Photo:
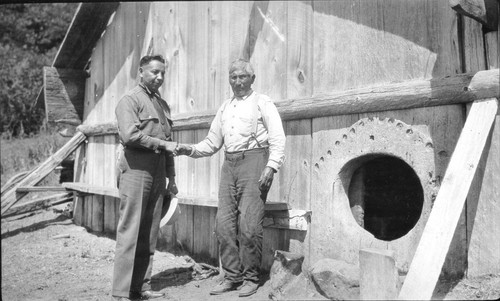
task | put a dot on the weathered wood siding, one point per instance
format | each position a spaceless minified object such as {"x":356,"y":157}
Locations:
{"x":298,"y":49}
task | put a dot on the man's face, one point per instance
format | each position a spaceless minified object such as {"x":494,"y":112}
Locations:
{"x":152,"y":75}
{"x":241,"y":82}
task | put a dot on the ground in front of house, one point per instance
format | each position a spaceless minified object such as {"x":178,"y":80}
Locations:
{"x":47,"y":257}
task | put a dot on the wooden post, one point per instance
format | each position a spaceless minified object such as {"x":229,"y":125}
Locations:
{"x":379,"y":277}
{"x":10,"y":197}
{"x":438,"y":233}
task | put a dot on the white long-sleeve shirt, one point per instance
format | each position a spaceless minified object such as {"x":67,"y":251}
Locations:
{"x":233,"y":124}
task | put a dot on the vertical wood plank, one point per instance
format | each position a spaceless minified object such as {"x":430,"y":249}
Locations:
{"x":79,"y":176}
{"x":266,"y":47}
{"x":183,"y":58}
{"x":97,"y":213}
{"x":88,"y":211}
{"x":214,"y":243}
{"x":109,"y":214}
{"x":185,"y":228}
{"x":98,"y":175}
{"x":202,"y":232}
{"x":492,"y":54}
{"x":202,"y":166}
{"x":473,"y":45}
{"x":299,"y":59}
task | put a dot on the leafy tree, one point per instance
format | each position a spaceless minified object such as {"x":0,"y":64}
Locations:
{"x":30,"y":35}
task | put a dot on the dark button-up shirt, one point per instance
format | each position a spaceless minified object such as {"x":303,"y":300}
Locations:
{"x":143,"y":121}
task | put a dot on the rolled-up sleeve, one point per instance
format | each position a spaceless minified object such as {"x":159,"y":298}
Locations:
{"x":127,"y":115}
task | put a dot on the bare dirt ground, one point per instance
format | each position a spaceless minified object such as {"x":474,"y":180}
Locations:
{"x":78,"y":266}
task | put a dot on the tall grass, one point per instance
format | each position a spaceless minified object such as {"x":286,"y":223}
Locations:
{"x":25,"y":154}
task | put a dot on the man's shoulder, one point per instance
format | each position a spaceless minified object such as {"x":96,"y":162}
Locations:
{"x":134,"y":91}
{"x":224,"y":104}
{"x":263,"y":98}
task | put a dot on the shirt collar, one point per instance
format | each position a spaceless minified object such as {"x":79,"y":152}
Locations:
{"x":242,"y":98}
{"x":149,"y":92}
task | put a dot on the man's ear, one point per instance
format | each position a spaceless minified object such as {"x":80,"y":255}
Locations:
{"x":140,"y":71}
{"x":253,"y":78}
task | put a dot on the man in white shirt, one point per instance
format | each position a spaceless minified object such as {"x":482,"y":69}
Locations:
{"x":249,"y":127}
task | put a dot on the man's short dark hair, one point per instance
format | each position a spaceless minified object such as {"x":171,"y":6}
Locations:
{"x":148,"y":58}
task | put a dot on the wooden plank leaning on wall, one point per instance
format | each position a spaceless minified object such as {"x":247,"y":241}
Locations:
{"x":433,"y":247}
{"x":10,"y":197}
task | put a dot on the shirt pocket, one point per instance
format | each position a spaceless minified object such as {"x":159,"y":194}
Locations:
{"x":149,"y":123}
{"x":245,"y":125}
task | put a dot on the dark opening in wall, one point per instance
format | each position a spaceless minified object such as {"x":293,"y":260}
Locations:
{"x":385,"y":196}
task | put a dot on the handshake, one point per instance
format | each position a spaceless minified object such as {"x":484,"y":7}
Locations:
{"x":176,"y":149}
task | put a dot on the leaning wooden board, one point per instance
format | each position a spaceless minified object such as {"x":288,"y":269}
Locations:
{"x":435,"y":241}
{"x":10,"y":197}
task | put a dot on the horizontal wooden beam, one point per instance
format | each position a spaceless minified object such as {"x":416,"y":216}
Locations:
{"x":109,"y":128}
{"x":277,"y":215}
{"x":406,"y":95}
{"x":9,"y":198}
{"x":92,"y":189}
{"x":463,"y":88}
{"x":40,"y":188}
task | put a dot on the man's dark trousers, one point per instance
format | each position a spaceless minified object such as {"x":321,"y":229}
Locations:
{"x":240,"y":214}
{"x":142,"y":186}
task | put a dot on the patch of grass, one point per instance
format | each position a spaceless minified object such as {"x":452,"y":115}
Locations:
{"x":25,"y":154}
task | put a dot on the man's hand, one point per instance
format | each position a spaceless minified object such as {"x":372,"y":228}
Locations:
{"x":266,"y":179}
{"x":169,"y":146}
{"x":183,"y":149}
{"x":171,"y":186}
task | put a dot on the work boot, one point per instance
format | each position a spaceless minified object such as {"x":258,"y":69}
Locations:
{"x":248,"y":288}
{"x":225,"y":286}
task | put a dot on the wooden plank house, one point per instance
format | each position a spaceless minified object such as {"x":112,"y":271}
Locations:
{"x":373,"y":97}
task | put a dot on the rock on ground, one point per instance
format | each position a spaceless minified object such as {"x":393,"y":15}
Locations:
{"x":335,"y":279}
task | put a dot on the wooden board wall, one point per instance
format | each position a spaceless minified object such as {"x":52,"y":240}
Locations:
{"x":298,"y":49}
{"x":482,"y":202}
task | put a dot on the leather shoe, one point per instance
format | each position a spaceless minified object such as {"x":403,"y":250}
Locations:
{"x":146,"y":295}
{"x":248,"y":288}
{"x":116,"y":298}
{"x":224,"y":286}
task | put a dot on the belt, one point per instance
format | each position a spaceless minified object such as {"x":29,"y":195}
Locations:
{"x":247,"y":150}
{"x":145,"y":150}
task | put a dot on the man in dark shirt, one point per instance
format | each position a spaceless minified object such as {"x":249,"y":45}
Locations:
{"x":144,"y":162}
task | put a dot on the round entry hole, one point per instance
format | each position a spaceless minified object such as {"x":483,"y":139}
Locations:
{"x":385,"y":196}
